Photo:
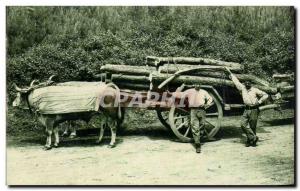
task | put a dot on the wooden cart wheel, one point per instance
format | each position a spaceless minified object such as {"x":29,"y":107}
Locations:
{"x":163,"y":117}
{"x":179,"y":120}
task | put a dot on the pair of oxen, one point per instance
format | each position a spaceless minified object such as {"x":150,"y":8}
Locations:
{"x":110,"y":114}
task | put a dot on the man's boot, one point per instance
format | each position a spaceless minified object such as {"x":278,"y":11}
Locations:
{"x":198,"y":147}
{"x":248,"y":143}
{"x":254,"y":142}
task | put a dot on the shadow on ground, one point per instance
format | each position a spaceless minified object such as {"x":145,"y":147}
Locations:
{"x":154,"y":131}
{"x":273,"y":122}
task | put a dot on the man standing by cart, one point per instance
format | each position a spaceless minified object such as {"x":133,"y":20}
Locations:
{"x":252,"y":98}
{"x":198,"y":101}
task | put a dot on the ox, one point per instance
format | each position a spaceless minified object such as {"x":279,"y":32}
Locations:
{"x":109,"y":111}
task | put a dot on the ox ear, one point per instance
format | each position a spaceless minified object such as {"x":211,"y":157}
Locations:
{"x":17,"y":100}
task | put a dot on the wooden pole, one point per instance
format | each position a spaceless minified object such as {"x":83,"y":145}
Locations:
{"x":159,"y":77}
{"x":286,"y":89}
{"x":128,"y":69}
{"x":171,"y":68}
{"x":133,"y":86}
{"x":222,"y":75}
{"x":130,"y":78}
{"x":270,"y":106}
{"x":190,"y":60}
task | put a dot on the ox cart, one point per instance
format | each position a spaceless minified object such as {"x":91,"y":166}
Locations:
{"x":163,"y":75}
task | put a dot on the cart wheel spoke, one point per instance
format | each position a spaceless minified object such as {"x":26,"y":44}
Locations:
{"x":212,"y":114}
{"x":205,"y":131}
{"x":180,"y":117}
{"x":209,"y":123}
{"x":163,"y":117}
{"x":187,"y":131}
{"x":181,"y":125}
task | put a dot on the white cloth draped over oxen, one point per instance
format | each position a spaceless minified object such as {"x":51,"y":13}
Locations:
{"x":69,"y":97}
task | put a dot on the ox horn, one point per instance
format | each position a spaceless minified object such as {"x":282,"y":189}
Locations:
{"x":17,"y":88}
{"x":32,"y":83}
{"x":50,"y":78}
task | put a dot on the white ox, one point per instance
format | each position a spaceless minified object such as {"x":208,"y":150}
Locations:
{"x":109,"y":111}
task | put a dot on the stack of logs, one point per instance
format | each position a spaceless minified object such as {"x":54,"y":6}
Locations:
{"x":158,"y":69}
{"x":285,"y":85}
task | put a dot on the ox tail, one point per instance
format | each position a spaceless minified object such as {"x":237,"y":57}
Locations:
{"x":112,"y":85}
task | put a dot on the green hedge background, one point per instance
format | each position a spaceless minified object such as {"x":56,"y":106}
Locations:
{"x":73,"y":42}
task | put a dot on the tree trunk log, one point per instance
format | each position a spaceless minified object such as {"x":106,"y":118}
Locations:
{"x":133,"y":86}
{"x":283,"y":76}
{"x":190,"y":60}
{"x":286,"y":89}
{"x":288,"y":95}
{"x":128,"y":69}
{"x":222,"y":75}
{"x":130,"y":78}
{"x":171,"y":68}
{"x":158,"y":78}
{"x":270,"y":106}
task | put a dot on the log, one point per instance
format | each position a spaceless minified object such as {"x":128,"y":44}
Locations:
{"x":180,"y":72}
{"x":282,"y":84}
{"x":283,"y":76}
{"x":100,"y":77}
{"x":222,"y":75}
{"x":133,"y":86}
{"x":288,"y":95}
{"x":128,"y":69}
{"x":270,"y":106}
{"x":159,"y":77}
{"x":190,"y":60}
{"x":170,"y":68}
{"x":130,"y":78}
{"x":286,"y":89}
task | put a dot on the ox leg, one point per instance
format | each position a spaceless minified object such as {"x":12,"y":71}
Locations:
{"x":73,"y":130}
{"x":65,"y":133}
{"x":48,"y":140}
{"x":73,"y":133}
{"x":56,"y":137}
{"x":48,"y":124}
{"x":101,"y":133}
{"x":49,"y":129}
{"x":113,"y":129}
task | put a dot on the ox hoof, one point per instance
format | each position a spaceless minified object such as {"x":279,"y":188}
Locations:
{"x":64,"y":135}
{"x":111,"y":145}
{"x":55,"y":146}
{"x":72,"y":136}
{"x":97,"y":142}
{"x":46,"y":148}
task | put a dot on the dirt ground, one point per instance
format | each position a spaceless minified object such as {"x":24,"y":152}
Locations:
{"x":147,"y":154}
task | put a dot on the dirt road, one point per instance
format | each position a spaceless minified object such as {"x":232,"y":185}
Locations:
{"x":152,"y":157}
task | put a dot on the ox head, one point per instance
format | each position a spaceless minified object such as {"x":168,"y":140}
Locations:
{"x":23,"y":93}
{"x":22,"y":96}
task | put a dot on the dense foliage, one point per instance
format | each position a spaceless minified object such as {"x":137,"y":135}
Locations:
{"x":73,"y":42}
